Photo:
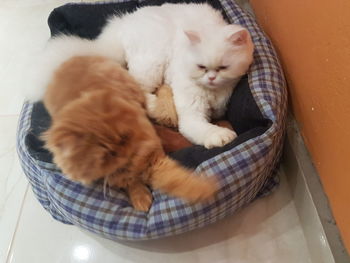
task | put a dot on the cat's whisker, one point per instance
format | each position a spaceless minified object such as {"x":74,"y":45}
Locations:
{"x":105,"y":184}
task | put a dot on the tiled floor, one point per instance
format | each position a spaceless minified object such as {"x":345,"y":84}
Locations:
{"x":268,"y":231}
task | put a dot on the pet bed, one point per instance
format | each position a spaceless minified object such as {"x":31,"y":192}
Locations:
{"x":244,"y":168}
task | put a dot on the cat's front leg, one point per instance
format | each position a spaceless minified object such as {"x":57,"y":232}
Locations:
{"x":194,"y":115}
{"x":140,"y":196}
{"x":218,"y":137}
{"x":194,"y":121}
{"x":196,"y":127}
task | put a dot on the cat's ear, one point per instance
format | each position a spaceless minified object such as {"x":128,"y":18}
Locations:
{"x":193,"y":37}
{"x":239,"y":38}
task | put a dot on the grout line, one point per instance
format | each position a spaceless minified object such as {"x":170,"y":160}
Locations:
{"x":311,"y":201}
{"x":297,"y":210}
{"x":8,"y":258}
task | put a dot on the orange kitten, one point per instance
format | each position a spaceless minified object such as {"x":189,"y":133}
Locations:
{"x":163,"y":110}
{"x":100,"y":130}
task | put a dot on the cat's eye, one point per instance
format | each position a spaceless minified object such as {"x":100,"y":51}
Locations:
{"x":113,"y":153}
{"x":221,"y":68}
{"x":201,"y":67}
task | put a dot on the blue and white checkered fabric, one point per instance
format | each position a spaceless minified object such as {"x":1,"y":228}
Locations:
{"x":245,"y":171}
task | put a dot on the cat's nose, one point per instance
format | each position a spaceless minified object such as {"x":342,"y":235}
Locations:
{"x":212,"y":78}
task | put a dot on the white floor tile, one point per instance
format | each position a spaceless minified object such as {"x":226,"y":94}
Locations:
{"x":24,"y":25}
{"x":266,"y":231}
{"x":12,"y":184}
{"x":24,"y":30}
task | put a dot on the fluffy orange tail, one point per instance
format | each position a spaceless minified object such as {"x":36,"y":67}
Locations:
{"x":173,"y":179}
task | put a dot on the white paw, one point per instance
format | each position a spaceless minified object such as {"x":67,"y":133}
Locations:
{"x":218,"y":137}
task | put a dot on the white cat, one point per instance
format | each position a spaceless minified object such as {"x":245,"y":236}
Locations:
{"x":191,"y":48}
{"x":188,"y":46}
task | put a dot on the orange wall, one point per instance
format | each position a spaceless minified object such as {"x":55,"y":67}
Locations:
{"x":313,"y":42}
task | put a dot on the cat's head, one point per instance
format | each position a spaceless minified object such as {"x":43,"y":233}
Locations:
{"x":219,"y":56}
{"x":98,"y":136}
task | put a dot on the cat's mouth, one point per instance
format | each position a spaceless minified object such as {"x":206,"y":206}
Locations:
{"x":211,"y":85}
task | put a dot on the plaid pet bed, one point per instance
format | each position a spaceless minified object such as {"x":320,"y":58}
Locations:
{"x":244,"y":168}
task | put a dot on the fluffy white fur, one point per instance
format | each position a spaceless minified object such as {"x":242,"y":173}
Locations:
{"x":58,"y":50}
{"x":188,"y":46}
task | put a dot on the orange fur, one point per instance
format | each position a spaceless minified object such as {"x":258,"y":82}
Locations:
{"x":100,"y":130}
{"x":164,"y":111}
